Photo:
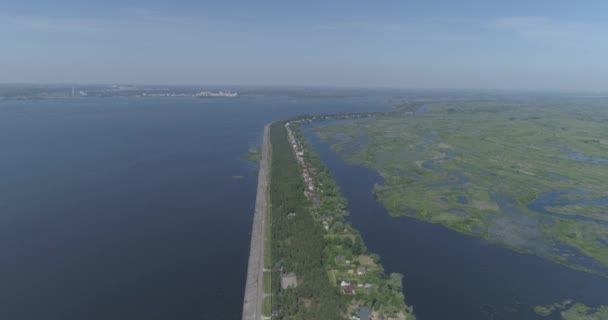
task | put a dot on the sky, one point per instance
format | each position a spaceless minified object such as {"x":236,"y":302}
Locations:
{"x":536,"y":45}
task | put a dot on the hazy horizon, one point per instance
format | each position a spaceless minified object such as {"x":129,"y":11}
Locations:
{"x":545,"y":46}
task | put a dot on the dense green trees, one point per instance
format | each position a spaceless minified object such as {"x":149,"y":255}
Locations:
{"x":297,"y":243}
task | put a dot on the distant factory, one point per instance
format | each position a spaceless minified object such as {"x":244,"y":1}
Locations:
{"x":216,"y":94}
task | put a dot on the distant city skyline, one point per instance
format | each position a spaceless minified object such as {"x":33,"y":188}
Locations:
{"x":533,"y":45}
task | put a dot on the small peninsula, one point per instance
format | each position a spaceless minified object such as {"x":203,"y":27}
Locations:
{"x":319,"y":265}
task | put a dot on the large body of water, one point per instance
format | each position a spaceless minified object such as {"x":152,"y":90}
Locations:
{"x":125,"y":208}
{"x":448,"y":275}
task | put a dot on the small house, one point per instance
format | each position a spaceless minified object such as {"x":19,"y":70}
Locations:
{"x":361,"y":271}
{"x":289,"y":280}
{"x":350,"y":290}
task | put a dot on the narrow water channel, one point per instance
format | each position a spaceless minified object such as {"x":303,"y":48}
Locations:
{"x":448,"y":275}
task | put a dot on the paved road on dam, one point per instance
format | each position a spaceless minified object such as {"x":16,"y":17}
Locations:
{"x":254,"y":288}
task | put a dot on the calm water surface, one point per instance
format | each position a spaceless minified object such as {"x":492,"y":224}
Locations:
{"x":125,"y":208}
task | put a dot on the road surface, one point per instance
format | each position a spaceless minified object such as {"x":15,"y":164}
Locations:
{"x":254,"y":288}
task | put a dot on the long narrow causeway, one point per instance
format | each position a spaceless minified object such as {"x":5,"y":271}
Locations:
{"x":254,"y":288}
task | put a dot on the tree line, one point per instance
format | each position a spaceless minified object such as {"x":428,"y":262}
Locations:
{"x":297,"y":242}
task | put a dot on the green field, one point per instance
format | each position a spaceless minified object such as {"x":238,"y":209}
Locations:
{"x":529,"y":173}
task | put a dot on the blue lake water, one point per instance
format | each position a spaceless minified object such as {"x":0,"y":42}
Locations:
{"x":448,"y":275}
{"x":553,"y":199}
{"x":125,"y":208}
{"x":581,"y":157}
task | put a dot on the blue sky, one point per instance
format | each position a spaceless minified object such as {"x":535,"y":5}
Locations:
{"x":546,"y":45}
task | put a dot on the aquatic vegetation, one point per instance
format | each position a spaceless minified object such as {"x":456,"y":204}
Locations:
{"x":547,"y":310}
{"x":569,"y":311}
{"x":583,"y":312}
{"x":529,"y":175}
{"x":254,"y":155}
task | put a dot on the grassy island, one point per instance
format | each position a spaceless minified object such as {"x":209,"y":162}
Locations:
{"x":568,"y":310}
